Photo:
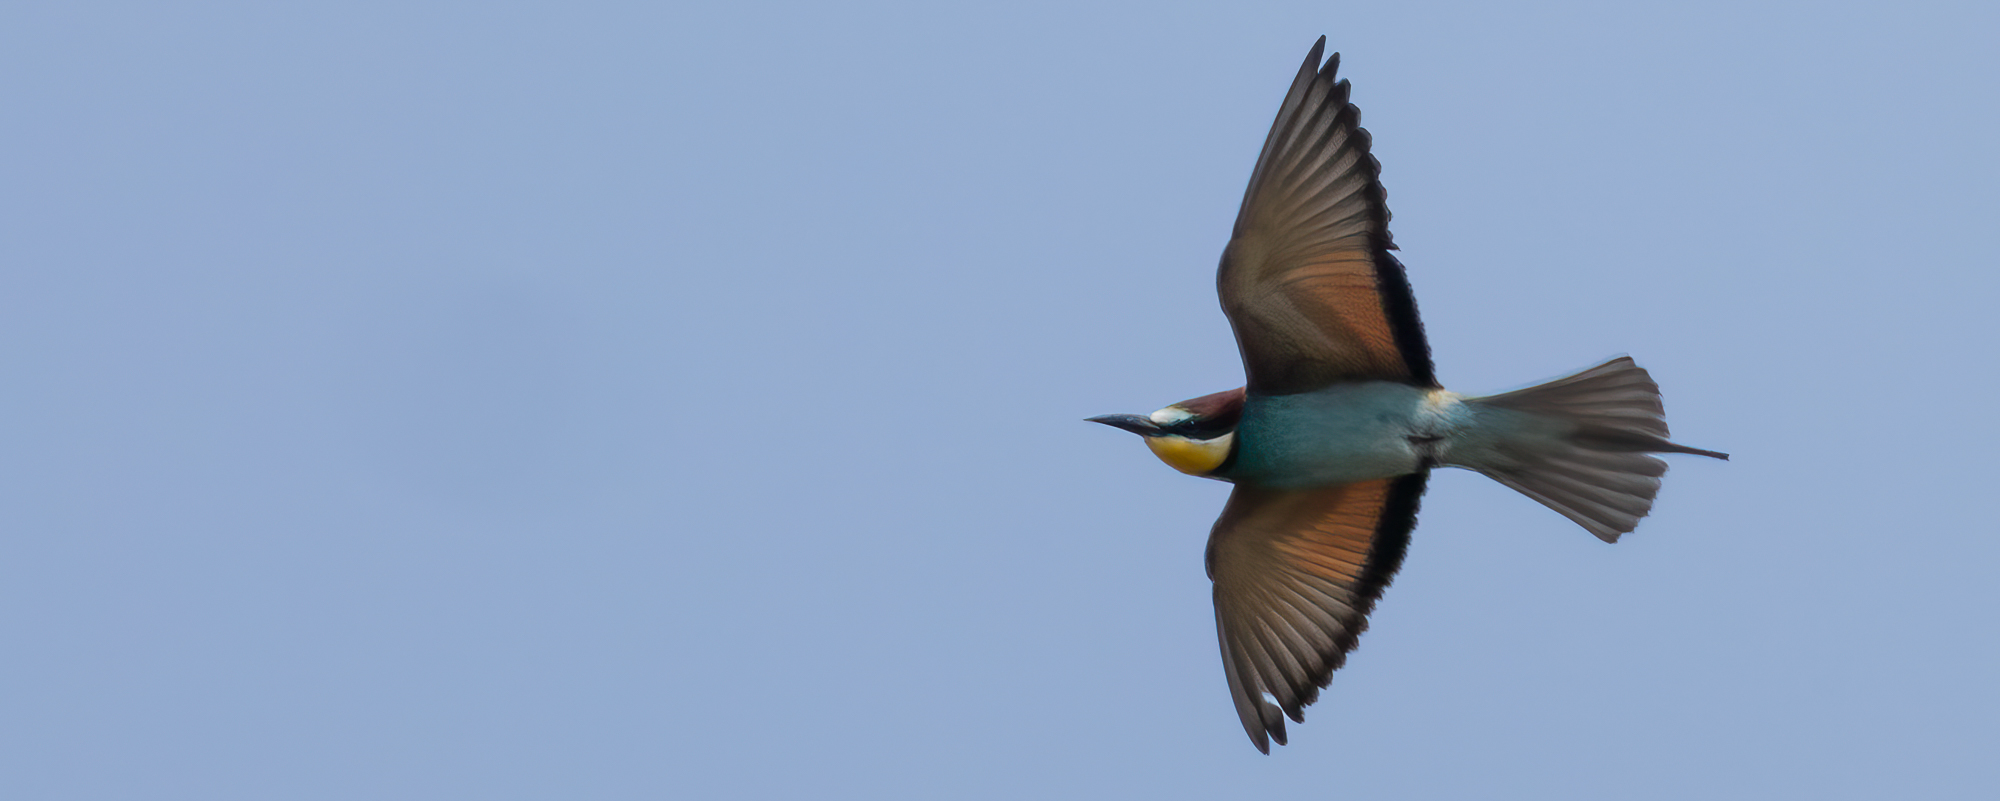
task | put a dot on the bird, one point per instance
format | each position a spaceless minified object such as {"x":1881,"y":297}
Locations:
{"x":1340,"y":421}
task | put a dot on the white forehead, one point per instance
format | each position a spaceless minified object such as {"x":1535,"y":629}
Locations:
{"x":1170,"y":416}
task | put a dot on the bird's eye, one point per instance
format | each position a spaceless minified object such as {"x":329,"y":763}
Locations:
{"x":1199,"y":428}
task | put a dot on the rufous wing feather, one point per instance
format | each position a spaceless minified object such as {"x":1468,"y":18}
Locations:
{"x":1296,"y":574}
{"x":1307,"y":280}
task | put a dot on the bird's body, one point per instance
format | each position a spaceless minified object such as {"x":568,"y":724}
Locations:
{"x":1342,"y":433}
{"x":1332,"y":439}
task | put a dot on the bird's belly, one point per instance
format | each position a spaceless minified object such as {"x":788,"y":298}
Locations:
{"x":1340,"y":434}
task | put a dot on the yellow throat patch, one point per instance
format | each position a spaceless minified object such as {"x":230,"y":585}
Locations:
{"x":1195,"y":457}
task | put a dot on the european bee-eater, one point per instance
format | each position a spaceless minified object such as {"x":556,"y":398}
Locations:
{"x":1335,"y":432}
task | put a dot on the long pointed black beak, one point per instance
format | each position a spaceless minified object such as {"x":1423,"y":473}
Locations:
{"x":1137,"y":424}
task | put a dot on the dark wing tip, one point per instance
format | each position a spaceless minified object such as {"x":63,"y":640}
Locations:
{"x":1270,"y":727}
{"x":1310,"y":68}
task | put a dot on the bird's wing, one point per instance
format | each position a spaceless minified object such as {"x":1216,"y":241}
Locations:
{"x":1296,"y":573}
{"x":1307,"y":279}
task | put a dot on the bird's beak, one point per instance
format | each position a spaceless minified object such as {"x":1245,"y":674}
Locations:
{"x":1137,"y":424}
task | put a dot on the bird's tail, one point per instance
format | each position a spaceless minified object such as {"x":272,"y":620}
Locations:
{"x":1581,"y":445}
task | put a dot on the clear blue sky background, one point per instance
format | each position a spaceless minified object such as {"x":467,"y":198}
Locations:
{"x":644,"y":401}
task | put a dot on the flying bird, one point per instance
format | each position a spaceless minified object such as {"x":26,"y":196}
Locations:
{"x":1341,"y":419}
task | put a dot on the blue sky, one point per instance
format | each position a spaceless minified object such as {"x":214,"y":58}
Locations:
{"x":641,"y":401}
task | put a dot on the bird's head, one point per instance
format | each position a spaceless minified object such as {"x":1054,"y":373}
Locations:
{"x":1195,"y":436}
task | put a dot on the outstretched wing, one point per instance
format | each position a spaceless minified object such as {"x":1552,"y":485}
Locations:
{"x":1307,"y":279}
{"x":1296,"y":574}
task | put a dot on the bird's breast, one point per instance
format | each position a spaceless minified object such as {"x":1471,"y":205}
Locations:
{"x":1340,"y":434}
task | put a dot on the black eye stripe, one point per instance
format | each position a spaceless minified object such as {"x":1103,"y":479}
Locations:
{"x":1201,"y":428}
